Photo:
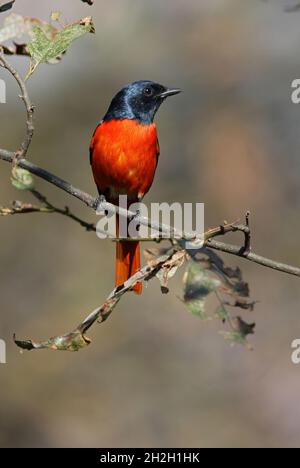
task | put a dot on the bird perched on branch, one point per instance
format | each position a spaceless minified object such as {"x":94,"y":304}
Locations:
{"x":124,"y":152}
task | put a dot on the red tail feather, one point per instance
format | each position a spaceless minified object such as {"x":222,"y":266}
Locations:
{"x":127,"y":261}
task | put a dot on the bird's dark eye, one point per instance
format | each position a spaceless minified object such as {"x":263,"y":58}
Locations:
{"x":148,"y":91}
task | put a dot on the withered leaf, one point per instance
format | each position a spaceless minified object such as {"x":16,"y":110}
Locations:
{"x":16,"y":49}
{"x":232,"y":283}
{"x":231,"y":291}
{"x":198,"y":284}
{"x":151,"y":255}
{"x":239,"y":333}
{"x":71,"y":342}
{"x":222,"y":313}
{"x":15,"y":26}
{"x":243,"y":327}
{"x":169,"y":269}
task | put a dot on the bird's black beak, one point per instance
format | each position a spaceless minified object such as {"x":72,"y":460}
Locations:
{"x":169,"y":92}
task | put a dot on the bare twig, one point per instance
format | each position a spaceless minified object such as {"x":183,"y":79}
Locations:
{"x":266,"y":262}
{"x":247,"y":233}
{"x":63,"y":211}
{"x":21,"y":153}
{"x":18,"y":207}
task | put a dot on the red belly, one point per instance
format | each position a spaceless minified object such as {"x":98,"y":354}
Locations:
{"x":124,"y":157}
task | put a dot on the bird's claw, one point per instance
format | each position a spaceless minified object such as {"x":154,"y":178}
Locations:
{"x":100,"y":201}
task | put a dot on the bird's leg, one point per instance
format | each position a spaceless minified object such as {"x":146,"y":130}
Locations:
{"x":138,"y":212}
{"x":134,"y":218}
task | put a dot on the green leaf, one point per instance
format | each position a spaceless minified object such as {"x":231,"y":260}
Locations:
{"x":198,"y":284}
{"x":22,"y":179}
{"x":44,"y":49}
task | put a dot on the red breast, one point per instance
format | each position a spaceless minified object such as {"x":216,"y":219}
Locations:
{"x":124,"y":156}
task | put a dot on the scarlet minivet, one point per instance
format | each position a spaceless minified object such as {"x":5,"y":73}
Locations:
{"x":124,"y":152}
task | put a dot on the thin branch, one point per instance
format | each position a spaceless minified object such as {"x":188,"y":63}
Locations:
{"x":21,"y":153}
{"x":63,"y":211}
{"x":247,"y":232}
{"x":266,"y":262}
{"x":18,"y":207}
{"x":208,"y":235}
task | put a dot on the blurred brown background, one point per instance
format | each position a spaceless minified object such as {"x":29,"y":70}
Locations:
{"x":154,"y":375}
